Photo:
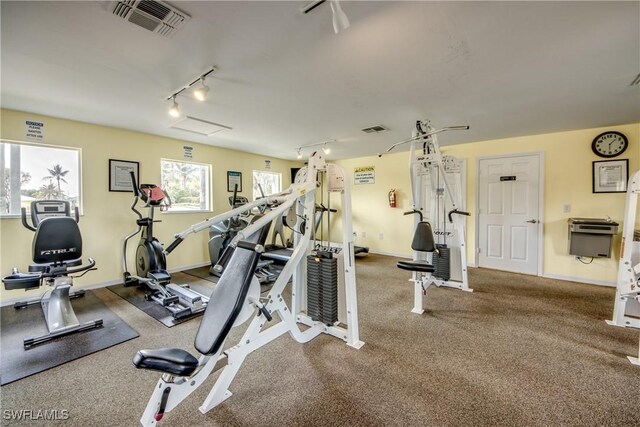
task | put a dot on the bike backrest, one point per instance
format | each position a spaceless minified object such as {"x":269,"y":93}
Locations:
{"x":57,"y":239}
{"x":423,"y":238}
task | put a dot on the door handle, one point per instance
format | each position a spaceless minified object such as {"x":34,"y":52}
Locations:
{"x":533,"y":221}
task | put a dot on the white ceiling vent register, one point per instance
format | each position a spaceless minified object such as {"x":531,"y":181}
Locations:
{"x":153,"y":15}
{"x":375,"y":129}
{"x":199,"y":126}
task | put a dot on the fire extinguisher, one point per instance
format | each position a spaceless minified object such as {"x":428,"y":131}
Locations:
{"x":392,"y":198}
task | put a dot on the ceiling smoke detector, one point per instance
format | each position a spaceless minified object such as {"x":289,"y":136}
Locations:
{"x":153,"y":15}
{"x":375,"y":129}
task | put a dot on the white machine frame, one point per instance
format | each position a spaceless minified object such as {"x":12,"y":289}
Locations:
{"x":429,"y":181}
{"x":626,"y":311}
{"x":300,"y":196}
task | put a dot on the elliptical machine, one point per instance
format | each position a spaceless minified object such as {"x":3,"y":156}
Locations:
{"x":151,"y":261}
{"x":222,"y":233}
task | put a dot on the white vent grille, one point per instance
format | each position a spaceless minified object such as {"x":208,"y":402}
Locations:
{"x":199,"y":126}
{"x":375,"y":129}
{"x":153,"y":15}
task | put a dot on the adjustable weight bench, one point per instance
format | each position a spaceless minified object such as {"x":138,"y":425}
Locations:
{"x":233,"y":301}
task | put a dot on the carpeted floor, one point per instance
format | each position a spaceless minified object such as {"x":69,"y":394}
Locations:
{"x":518,"y":351}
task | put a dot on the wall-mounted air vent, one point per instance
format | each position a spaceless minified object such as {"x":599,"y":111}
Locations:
{"x":636,"y":81}
{"x":153,"y":15}
{"x":375,"y":129}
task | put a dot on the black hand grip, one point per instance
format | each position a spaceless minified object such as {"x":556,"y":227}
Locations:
{"x":224,"y":259}
{"x":457,"y":212}
{"x":134,"y":183}
{"x":413,"y":212}
{"x":235,"y":196}
{"x":76,"y":212}
{"x":266,"y":313}
{"x":24,"y":220}
{"x":251,"y":246}
{"x":174,"y":245}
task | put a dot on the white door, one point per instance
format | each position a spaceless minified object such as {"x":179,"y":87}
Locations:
{"x":508,"y":213}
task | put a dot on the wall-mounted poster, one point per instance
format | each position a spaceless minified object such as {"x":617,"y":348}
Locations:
{"x":120,"y":175}
{"x":233,"y":179}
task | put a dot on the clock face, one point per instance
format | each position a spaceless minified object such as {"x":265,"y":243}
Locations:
{"x":609,"y":144}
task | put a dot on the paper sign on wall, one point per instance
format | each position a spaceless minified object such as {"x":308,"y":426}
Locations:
{"x":364,"y":175}
{"x":267,"y":164}
{"x":34,"y":131}
{"x":188,"y":152}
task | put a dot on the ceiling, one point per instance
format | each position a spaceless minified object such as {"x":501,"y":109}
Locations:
{"x":285,"y":79}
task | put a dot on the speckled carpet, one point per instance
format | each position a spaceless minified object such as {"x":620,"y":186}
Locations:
{"x":518,"y":351}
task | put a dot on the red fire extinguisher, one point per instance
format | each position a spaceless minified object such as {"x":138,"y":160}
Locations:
{"x":392,"y":198}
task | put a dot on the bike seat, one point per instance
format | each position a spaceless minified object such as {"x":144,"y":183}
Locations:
{"x":173,"y":361}
{"x":422,"y":266}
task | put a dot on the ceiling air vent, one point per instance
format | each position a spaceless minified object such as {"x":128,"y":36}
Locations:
{"x":375,"y":129}
{"x":153,"y":15}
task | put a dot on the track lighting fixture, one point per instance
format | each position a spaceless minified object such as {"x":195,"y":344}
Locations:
{"x":325,"y":148}
{"x":340,"y":20}
{"x":201,"y":92}
{"x":174,"y":111}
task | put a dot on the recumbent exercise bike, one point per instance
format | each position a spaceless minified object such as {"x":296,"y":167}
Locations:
{"x":57,"y":246}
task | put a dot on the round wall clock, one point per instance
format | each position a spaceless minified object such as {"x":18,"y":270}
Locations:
{"x":609,"y":144}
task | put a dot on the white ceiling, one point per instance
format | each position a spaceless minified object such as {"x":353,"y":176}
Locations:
{"x":285,"y":79}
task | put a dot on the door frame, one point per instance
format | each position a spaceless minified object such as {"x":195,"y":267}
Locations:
{"x":541,"y":182}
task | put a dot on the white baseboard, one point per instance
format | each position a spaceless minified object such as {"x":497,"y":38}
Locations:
{"x":606,"y":283}
{"x":395,"y":255}
{"x":99,"y":285}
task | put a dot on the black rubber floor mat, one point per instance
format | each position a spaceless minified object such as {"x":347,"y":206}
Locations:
{"x":17,"y":363}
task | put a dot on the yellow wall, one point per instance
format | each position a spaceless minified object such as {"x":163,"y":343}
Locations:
{"x":107,"y":217}
{"x":567,"y":180}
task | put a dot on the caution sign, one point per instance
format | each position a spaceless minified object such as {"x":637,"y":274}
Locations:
{"x":33,"y":131}
{"x":364,"y":175}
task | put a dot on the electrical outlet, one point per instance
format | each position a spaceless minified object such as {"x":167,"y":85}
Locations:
{"x":381,"y":236}
{"x":566,"y":208}
{"x":364,"y":234}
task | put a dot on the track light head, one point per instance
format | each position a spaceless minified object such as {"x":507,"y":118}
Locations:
{"x":200,"y":93}
{"x":174,"y":110}
{"x":340,"y":20}
{"x":326,"y":149}
{"x":299,"y":156}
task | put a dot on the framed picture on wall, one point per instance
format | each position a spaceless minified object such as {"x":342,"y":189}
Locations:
{"x":120,"y":175}
{"x":233,"y":179}
{"x":610,"y":176}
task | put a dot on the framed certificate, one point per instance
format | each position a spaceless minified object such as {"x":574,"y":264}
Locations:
{"x":233,"y":179}
{"x":610,"y":176}
{"x":120,"y":175}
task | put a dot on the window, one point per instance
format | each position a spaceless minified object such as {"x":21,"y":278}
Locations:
{"x":37,"y":172}
{"x":187,"y":184}
{"x":269,"y":181}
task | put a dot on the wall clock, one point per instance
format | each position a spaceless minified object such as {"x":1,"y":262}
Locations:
{"x":609,"y":144}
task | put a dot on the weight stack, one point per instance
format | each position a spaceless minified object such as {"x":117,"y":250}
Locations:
{"x":322,"y":289}
{"x":442,"y":262}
